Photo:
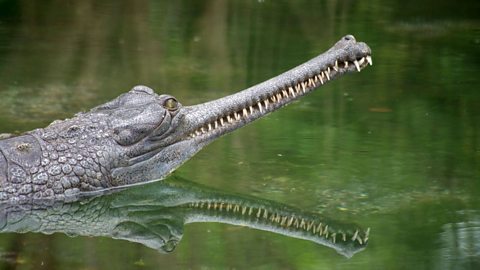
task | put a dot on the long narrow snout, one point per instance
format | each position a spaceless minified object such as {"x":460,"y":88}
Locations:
{"x":207,"y":121}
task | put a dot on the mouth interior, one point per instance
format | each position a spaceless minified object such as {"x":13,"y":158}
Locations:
{"x":279,"y":97}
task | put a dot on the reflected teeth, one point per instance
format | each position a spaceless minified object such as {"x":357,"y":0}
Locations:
{"x":285,"y":221}
{"x":283,"y":95}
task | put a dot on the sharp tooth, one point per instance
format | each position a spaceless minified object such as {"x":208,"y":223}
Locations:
{"x":298,"y":88}
{"x":244,"y":209}
{"x":361,"y":61}
{"x":290,"y":89}
{"x":203,"y":130}
{"x":221,"y":121}
{"x":260,"y":107}
{"x":284,"y":92}
{"x":355,"y":235}
{"x":229,"y":119}
{"x":309,"y":226}
{"x":209,"y":126}
{"x":277,"y":218}
{"x":266,"y":103}
{"x":290,"y":221}
{"x":215,"y":124}
{"x":193,"y":135}
{"x":346,"y":64}
{"x":369,"y":60}
{"x":237,"y":116}
{"x":302,"y":224}
{"x":328,"y":70}
{"x":319,"y":229}
{"x":304,"y":85}
{"x":273,"y":98}
{"x":284,"y":219}
{"x":279,"y":97}
{"x":198,"y":133}
{"x":320,"y":77}
{"x":334,"y":235}
{"x":336,"y":65}
{"x":315,"y":78}
{"x":251,"y":109}
{"x":295,"y":223}
{"x":327,"y":73}
{"x":360,"y":240}
{"x":311,"y":82}
{"x":357,"y":65}
{"x":245,"y":113}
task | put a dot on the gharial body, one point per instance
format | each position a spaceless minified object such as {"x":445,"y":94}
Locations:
{"x":141,"y":136}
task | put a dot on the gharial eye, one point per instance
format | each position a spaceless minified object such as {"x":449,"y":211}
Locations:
{"x":171,"y":104}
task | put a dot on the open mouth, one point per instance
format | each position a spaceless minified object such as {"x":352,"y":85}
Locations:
{"x":239,"y":109}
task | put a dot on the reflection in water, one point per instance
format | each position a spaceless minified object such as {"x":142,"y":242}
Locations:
{"x":396,"y":147}
{"x":154,"y":215}
{"x":460,"y":243}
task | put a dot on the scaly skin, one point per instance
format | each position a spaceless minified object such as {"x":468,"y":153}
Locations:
{"x":141,"y":137}
{"x":59,"y":160}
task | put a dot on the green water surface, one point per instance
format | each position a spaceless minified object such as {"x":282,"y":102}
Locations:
{"x":395,"y":148}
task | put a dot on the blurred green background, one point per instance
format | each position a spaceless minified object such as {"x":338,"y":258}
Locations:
{"x":395,"y":148}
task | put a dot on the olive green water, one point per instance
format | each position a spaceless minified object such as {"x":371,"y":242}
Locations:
{"x":395,"y":148}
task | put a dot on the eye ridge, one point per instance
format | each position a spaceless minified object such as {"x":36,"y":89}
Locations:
{"x":170,"y":104}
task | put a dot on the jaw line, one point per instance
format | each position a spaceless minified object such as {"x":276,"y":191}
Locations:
{"x":208,"y":121}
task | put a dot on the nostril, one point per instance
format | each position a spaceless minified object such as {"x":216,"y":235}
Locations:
{"x":349,"y":37}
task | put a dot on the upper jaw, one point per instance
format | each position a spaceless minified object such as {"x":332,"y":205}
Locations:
{"x":207,"y":121}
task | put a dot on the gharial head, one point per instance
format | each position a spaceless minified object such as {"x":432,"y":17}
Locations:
{"x":158,"y":134}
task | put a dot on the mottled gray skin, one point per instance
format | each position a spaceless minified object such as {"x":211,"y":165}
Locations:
{"x":141,"y":136}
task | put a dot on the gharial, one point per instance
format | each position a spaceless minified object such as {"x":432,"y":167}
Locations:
{"x":141,"y":137}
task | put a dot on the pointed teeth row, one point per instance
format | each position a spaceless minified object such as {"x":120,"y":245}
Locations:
{"x":285,"y":221}
{"x":283,"y":95}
